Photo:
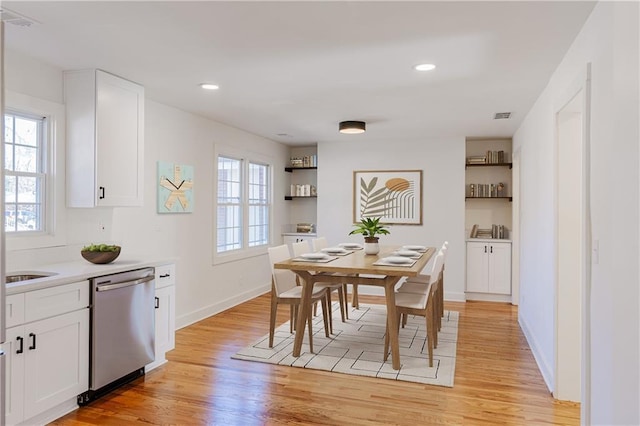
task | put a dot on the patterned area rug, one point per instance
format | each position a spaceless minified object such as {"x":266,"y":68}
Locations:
{"x":356,"y":347}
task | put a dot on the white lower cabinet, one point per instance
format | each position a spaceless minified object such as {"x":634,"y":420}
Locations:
{"x":47,"y":361}
{"x":165,"y":314}
{"x":489,"y":267}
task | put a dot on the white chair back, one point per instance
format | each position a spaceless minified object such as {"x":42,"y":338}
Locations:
{"x":283,"y":279}
{"x":437,"y":267}
{"x":319,"y":243}
{"x":299,"y":248}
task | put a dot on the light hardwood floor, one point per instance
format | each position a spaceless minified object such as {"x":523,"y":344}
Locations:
{"x":496,"y":382}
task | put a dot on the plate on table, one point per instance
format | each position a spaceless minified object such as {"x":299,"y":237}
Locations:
{"x":333,"y":250}
{"x":351,"y":245}
{"x":420,"y":248}
{"x":314,"y":256}
{"x":400,"y":260}
{"x":407,"y":253}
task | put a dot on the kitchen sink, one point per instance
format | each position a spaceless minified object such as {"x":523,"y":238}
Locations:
{"x":25,"y":276}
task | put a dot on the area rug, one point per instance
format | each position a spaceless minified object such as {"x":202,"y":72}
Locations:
{"x":356,"y":347}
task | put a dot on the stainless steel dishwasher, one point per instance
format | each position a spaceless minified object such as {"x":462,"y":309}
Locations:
{"x":122,"y":330}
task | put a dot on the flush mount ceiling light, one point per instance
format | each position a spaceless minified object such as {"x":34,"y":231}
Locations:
{"x":352,"y":127}
{"x":209,"y":86}
{"x":424,"y":67}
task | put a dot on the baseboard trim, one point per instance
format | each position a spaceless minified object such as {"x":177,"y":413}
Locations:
{"x":545,"y":370}
{"x":200,"y":314}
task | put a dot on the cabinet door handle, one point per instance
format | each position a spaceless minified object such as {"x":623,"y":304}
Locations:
{"x":165,"y":276}
{"x":157,"y":302}
{"x":20,"y":340}
{"x":101,"y":193}
{"x":491,"y":250}
{"x":33,"y":340}
{"x":485,"y":249}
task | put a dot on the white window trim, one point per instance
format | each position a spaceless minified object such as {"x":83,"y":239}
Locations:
{"x":55,"y":234}
{"x":246,"y":156}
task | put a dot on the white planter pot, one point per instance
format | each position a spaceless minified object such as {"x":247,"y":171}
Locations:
{"x":371,"y":248}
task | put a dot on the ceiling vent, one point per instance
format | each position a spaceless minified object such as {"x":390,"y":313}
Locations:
{"x":502,"y":115}
{"x":14,"y":18}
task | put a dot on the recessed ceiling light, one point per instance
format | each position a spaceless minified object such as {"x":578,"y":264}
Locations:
{"x":424,"y":67}
{"x":209,"y":86}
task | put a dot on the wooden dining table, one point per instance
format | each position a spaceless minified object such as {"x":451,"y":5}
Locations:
{"x":354,"y":268}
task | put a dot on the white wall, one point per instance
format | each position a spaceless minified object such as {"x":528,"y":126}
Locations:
{"x":442,"y":163}
{"x":176,"y":136}
{"x":609,"y":41}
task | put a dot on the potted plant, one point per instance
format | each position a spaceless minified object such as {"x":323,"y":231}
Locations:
{"x":369,"y":227}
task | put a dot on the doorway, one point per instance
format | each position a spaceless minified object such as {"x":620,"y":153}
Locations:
{"x":572,"y":249}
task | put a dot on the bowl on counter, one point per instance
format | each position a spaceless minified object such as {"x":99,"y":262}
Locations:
{"x":101,"y":257}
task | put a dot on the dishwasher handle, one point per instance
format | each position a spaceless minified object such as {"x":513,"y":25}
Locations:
{"x":114,"y":286}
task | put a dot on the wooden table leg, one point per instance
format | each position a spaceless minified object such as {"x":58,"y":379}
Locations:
{"x":392,"y":320}
{"x":304,"y":311}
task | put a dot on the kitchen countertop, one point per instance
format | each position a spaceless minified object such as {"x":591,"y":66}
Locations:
{"x":77,"y":270}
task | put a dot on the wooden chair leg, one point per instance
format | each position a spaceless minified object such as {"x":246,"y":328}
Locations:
{"x":430,"y":333}
{"x":354,"y":297}
{"x":310,"y":325}
{"x":342,"y":301}
{"x":326,"y":314}
{"x":272,"y":319}
{"x":345,"y":300}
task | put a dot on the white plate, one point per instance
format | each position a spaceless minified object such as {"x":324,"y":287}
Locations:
{"x":414,"y":247}
{"x":397,"y":259}
{"x":407,"y":253}
{"x":314,"y":256}
{"x":351,"y":245}
{"x":333,"y":250}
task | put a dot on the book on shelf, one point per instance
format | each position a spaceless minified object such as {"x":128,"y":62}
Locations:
{"x":477,"y":159}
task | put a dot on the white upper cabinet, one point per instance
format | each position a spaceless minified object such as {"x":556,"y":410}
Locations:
{"x":105,"y":140}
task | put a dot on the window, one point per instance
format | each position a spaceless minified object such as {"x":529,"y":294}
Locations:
{"x":243,"y":219}
{"x":25,"y":172}
{"x":33,"y":141}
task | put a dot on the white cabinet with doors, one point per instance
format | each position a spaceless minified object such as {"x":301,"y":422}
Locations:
{"x":165,"y":313}
{"x":489,"y":267}
{"x":47,"y":352}
{"x":105,"y":140}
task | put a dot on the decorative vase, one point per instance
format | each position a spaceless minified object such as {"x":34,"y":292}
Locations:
{"x":371,"y":245}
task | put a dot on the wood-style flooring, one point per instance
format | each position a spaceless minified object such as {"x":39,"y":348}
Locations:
{"x":497,"y":382}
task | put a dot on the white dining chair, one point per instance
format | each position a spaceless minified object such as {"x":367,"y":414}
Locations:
{"x":321,"y":243}
{"x":416,"y":285}
{"x":284,"y":290}
{"x":421,"y":304}
{"x":300,"y":248}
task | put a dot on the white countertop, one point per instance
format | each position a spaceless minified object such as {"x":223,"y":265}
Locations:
{"x":77,"y":270}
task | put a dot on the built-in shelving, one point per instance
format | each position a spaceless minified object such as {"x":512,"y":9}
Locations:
{"x":291,"y":169}
{"x":489,"y":198}
{"x":291,"y":197}
{"x":510,"y":165}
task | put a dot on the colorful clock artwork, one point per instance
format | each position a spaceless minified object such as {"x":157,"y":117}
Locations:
{"x":175,"y":188}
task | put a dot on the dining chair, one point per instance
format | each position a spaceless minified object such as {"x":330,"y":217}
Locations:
{"x":421,"y":304}
{"x":284,"y":290}
{"x":321,"y":243}
{"x":301,"y":248}
{"x":416,"y":285}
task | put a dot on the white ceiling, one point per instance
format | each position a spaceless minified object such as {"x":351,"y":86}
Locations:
{"x":299,"y":68}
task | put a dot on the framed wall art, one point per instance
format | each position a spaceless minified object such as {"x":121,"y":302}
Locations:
{"x":393,"y":195}
{"x":175,"y":188}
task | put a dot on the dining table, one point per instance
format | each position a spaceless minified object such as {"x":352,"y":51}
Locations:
{"x":353,"y":266}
